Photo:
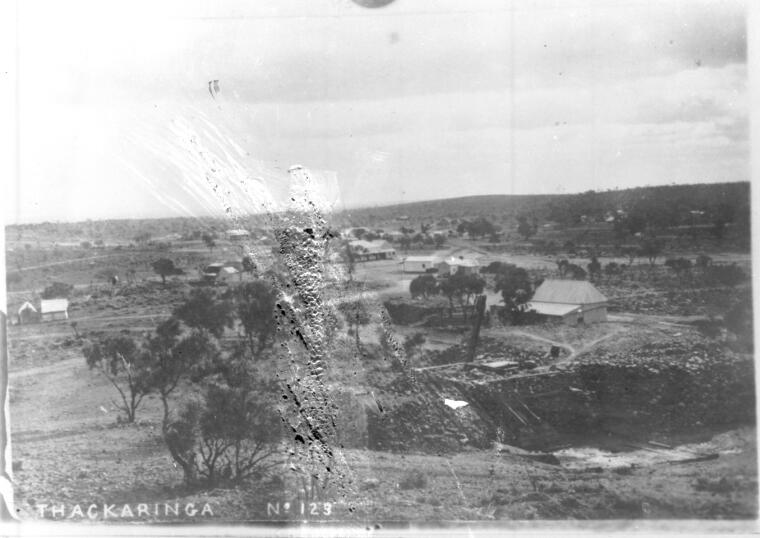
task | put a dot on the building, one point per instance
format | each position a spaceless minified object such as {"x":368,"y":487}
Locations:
{"x":168,"y":238}
{"x":54,"y":309}
{"x":238,"y":235}
{"x":217,"y":273}
{"x":471,"y":252}
{"x":453,"y":265}
{"x":371,"y":250}
{"x":27,"y":313}
{"x":393,"y":235}
{"x":420,"y":264}
{"x":571,"y":301}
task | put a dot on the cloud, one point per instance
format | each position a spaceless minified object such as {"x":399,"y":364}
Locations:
{"x":549,"y":95}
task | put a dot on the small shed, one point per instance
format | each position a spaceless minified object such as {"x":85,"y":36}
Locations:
{"x":571,"y":301}
{"x":28,"y":314}
{"x":54,"y":309}
{"x":219,"y":272}
{"x":453,"y":265}
{"x":420,"y":264}
{"x":238,"y":235}
{"x":371,"y":250}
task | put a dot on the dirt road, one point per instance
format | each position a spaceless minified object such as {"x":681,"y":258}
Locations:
{"x":48,"y":369}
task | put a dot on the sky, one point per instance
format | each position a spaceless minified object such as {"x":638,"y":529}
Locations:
{"x":417,"y":100}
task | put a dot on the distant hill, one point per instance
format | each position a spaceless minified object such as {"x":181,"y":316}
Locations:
{"x":663,"y":206}
{"x":721,"y":207}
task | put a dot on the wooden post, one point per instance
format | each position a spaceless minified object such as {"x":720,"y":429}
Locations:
{"x":480,"y":308}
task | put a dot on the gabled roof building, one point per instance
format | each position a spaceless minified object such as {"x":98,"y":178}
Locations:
{"x":571,"y":301}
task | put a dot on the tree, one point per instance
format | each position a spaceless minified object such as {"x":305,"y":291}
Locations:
{"x":209,"y":240}
{"x":562,"y":267}
{"x":680,"y":266}
{"x":203,"y":310}
{"x":108,"y":275}
{"x":439,"y":240}
{"x":450,"y":290}
{"x":594,"y":267}
{"x":524,"y":228}
{"x":703,"y":261}
{"x":13,"y":278}
{"x":142,"y":238}
{"x":423,"y":285}
{"x":722,"y":215}
{"x":480,"y":227}
{"x":56,"y":290}
{"x":739,"y":320}
{"x":413,"y":342}
{"x":620,"y":226}
{"x":350,"y":260}
{"x":515,"y":286}
{"x":726,"y":275}
{"x":356,"y":315}
{"x":165,"y":267}
{"x":230,"y":435}
{"x":651,"y":249}
{"x":249,"y":266}
{"x":171,"y":354}
{"x":255,"y":303}
{"x":493,"y":268}
{"x":119,"y":360}
{"x":576,"y":272}
{"x":630,"y":253}
{"x":636,"y":223}
{"x":462,"y":286}
{"x":612,"y":269}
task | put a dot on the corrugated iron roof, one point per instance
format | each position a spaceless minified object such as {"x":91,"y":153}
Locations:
{"x":552,"y":309}
{"x":575,"y":292}
{"x":53,"y":305}
{"x":467,"y":262}
{"x":464,"y":250}
{"x":372,"y":246}
{"x":413,"y":259}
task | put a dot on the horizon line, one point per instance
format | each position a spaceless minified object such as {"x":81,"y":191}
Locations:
{"x":361,"y":206}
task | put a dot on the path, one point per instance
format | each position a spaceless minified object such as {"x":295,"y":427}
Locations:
{"x":74,"y":260}
{"x":589,"y":346}
{"x":494,"y":332}
{"x":49,"y":369}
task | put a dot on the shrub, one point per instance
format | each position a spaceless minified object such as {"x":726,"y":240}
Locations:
{"x":227,"y":437}
{"x":57,"y":290}
{"x":413,"y":480}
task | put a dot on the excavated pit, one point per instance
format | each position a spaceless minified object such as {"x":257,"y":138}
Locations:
{"x":608,"y":400}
